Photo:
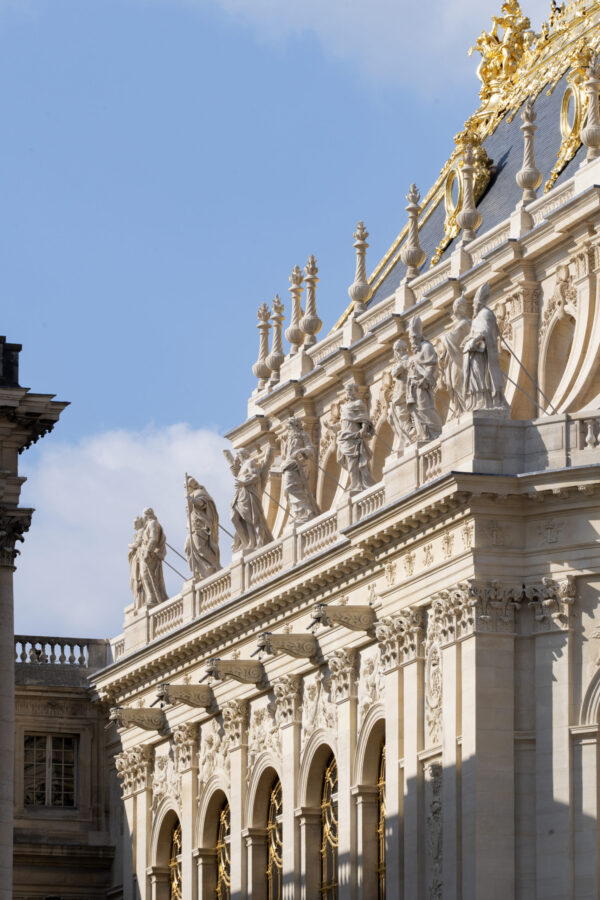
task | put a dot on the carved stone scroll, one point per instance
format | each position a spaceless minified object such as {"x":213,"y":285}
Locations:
{"x":248,"y":671}
{"x":198,"y":695}
{"x":356,"y":618}
{"x":146,"y":718}
{"x":302,"y":646}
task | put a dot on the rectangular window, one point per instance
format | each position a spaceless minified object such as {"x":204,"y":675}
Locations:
{"x":50,"y":763}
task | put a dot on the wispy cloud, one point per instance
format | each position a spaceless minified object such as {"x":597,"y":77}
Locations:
{"x":73,"y":576}
{"x":420,"y":45}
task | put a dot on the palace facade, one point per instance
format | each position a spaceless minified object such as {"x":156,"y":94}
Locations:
{"x":393,"y":689}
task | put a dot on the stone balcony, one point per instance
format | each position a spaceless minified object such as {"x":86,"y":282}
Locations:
{"x":477,"y":443}
{"x":58,"y":661}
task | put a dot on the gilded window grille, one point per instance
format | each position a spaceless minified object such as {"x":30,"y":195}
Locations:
{"x":175,"y":864}
{"x":381,"y":826}
{"x":223,"y":859}
{"x":329,"y":832}
{"x":274,"y":843}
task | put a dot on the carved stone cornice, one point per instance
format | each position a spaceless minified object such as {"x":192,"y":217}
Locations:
{"x":247,"y":671}
{"x":343,"y":665}
{"x":301,"y":646}
{"x":288,"y":696}
{"x":551,"y":601}
{"x":235,"y":722}
{"x":185,"y":741}
{"x":134,"y":769}
{"x":356,"y":618}
{"x":197,"y":695}
{"x":13,"y":525}
{"x":400,"y":638}
{"x":147,"y":718}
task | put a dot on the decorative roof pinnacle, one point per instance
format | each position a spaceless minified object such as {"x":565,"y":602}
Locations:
{"x":260,"y":367}
{"x":412,"y":255}
{"x":310,"y":322}
{"x":469,"y":218}
{"x":591,"y":133}
{"x":294,"y":332}
{"x":529,"y":176}
{"x":360,"y":291}
{"x":275,"y":358}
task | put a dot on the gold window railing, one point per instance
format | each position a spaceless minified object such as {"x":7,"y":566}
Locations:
{"x":329,"y":832}
{"x":274,"y":843}
{"x":223,"y":858}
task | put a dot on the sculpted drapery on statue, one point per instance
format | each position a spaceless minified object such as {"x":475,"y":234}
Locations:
{"x":451,"y":357}
{"x":202,"y":541}
{"x":146,"y":554}
{"x":482,"y":375}
{"x":354,"y":431}
{"x":421,"y":380}
{"x":251,"y":529}
{"x":297,"y":452}
{"x":398,"y":414}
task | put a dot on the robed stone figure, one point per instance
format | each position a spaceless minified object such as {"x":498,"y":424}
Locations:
{"x":297,"y":454}
{"x":135,"y":578}
{"x":251,"y":529}
{"x":452,"y":356}
{"x":202,"y":541}
{"x":398,"y":414}
{"x":151,"y":553}
{"x":482,"y":375}
{"x":421,"y":383}
{"x":352,"y":449}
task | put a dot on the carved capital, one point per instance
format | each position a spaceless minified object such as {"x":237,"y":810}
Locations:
{"x":185,"y":740}
{"x":301,"y":646}
{"x":400,"y":638}
{"x":13,"y":525}
{"x":288,"y":695}
{"x":551,"y":601}
{"x":525,"y":301}
{"x":134,"y":769}
{"x":235,"y":722}
{"x":343,"y":665}
{"x":471,"y":607}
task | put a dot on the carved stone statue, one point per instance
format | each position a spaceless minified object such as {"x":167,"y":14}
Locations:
{"x":355,"y":430}
{"x":135,"y":580}
{"x":152,"y":551}
{"x":482,"y":376}
{"x":251,"y":529}
{"x":398,"y":414}
{"x":297,"y":453}
{"x":202,"y":541}
{"x":420,"y":384}
{"x":451,"y":357}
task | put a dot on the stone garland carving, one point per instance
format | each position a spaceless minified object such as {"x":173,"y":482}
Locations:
{"x":400,"y":637}
{"x":185,"y":742}
{"x":370,"y":685}
{"x":202,"y":541}
{"x":133,"y":769}
{"x":297,"y":454}
{"x":433,"y":671}
{"x":563,"y":301}
{"x":318,"y":708}
{"x":343,"y":665}
{"x":355,"y":430}
{"x":288,"y":696}
{"x":249,"y":522}
{"x":434,"y":834}
{"x":146,"y":554}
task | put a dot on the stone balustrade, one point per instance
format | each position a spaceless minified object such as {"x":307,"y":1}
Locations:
{"x":318,"y":534}
{"x":369,"y":502}
{"x":166,"y":617}
{"x":58,"y":660}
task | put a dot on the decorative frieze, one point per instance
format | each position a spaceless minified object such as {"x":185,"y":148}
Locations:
{"x":400,"y":638}
{"x":263,"y":735}
{"x":134,"y":768}
{"x":166,"y":779}
{"x":370,"y":685}
{"x":318,"y":708}
{"x":343,"y":665}
{"x":214,"y":752}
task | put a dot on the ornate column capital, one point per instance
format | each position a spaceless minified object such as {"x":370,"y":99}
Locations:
{"x":235,"y":722}
{"x":400,"y":638}
{"x":13,"y":525}
{"x":185,"y":741}
{"x":551,"y":601}
{"x":134,"y":769}
{"x":343,"y":665}
{"x":288,"y":696}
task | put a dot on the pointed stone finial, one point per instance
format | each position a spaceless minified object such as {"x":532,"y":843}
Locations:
{"x":591,"y":133}
{"x":310,"y":322}
{"x":260,"y":367}
{"x":294,"y":333}
{"x":529,"y":176}
{"x":360,"y":291}
{"x":275,"y":357}
{"x":412,"y":255}
{"x":468,"y":218}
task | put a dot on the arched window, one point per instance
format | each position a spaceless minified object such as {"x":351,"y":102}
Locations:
{"x":274,"y":843}
{"x":329,"y":831}
{"x":381,"y":825}
{"x":223,"y":864}
{"x":175,"y":863}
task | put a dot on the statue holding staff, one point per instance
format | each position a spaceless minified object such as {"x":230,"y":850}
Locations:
{"x":202,"y":541}
{"x":251,"y":529}
{"x":482,"y":375}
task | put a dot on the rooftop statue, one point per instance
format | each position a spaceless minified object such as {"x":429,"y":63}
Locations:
{"x":355,"y":429}
{"x":135,"y":580}
{"x":451,"y":357}
{"x":151,"y":552}
{"x":297,"y":453}
{"x":398,"y":414}
{"x":422,"y":374}
{"x":500,"y":56}
{"x":482,"y":376}
{"x":202,"y":541}
{"x":251,"y":529}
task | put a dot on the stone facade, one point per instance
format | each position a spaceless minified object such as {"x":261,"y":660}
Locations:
{"x":400,"y":687}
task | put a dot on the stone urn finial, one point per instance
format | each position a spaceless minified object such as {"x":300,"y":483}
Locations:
{"x":276,"y":357}
{"x":412,"y":254}
{"x":310,"y":322}
{"x":591,"y":133}
{"x":469,"y":218}
{"x":529,"y":176}
{"x":360,"y":291}
{"x":260,"y":367}
{"x":294,"y":332}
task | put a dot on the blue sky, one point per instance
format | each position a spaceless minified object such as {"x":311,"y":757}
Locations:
{"x":164,"y":165}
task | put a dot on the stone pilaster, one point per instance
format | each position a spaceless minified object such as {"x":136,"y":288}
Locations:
{"x":288,"y":695}
{"x":235,"y":723}
{"x":134,"y":769}
{"x":185,"y":740}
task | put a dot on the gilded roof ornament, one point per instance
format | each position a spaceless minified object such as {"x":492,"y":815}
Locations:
{"x":501,"y":54}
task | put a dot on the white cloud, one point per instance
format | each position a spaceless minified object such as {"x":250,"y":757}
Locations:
{"x":421,"y":45}
{"x":72,"y":576}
